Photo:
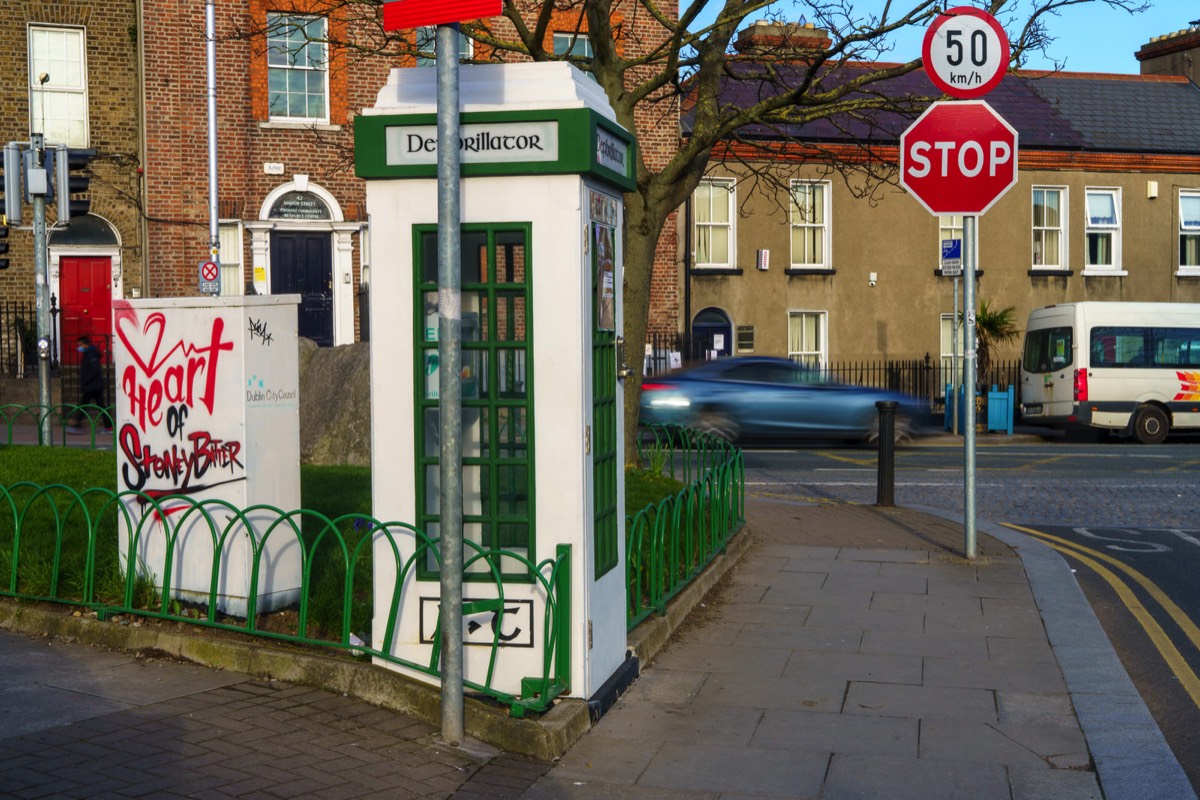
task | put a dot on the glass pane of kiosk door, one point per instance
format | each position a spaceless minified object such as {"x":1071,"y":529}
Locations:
{"x":497,"y":474}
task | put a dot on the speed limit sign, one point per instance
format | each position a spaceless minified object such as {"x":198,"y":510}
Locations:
{"x":965,"y":52}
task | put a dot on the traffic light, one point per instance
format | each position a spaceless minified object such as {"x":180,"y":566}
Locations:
{"x":12,"y":183}
{"x":3,"y":247}
{"x":67,"y":162}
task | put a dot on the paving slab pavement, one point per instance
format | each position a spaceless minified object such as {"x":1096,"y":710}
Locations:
{"x":849,"y":653}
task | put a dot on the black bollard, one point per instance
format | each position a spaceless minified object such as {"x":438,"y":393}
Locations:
{"x":885,"y":492}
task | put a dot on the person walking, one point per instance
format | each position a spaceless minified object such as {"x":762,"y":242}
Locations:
{"x":91,"y":384}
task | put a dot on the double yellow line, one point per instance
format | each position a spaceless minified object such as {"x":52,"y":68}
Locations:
{"x":1161,"y":641}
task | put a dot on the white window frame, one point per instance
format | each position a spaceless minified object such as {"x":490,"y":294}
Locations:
{"x":63,"y":98}
{"x":426,"y":41}
{"x":574,"y":43}
{"x":950,"y":364}
{"x":810,"y":229}
{"x":951,"y":227}
{"x":726,"y":228}
{"x":812,"y":354}
{"x":1102,"y":229}
{"x":286,"y":62}
{"x":233,"y":281}
{"x":1191,"y":230}
{"x":1043,"y":263}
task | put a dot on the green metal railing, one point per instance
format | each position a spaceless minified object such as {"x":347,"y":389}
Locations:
{"x":88,"y":426}
{"x":61,"y":545}
{"x":669,"y":543}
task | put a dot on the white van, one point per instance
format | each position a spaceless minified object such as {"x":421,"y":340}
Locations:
{"x":1132,"y":368}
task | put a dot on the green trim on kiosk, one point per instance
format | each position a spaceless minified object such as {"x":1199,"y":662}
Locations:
{"x":560,"y":141}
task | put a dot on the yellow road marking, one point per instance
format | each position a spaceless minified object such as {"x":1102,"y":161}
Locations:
{"x":1162,"y":642}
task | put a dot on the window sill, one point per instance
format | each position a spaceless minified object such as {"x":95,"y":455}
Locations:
{"x":1188,"y":272}
{"x":1047,"y":272}
{"x":700,"y":271}
{"x":279,"y":125}
{"x":809,"y":271}
{"x":1089,"y":272}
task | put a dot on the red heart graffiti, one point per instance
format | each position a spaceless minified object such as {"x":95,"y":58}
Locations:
{"x":156,"y":321}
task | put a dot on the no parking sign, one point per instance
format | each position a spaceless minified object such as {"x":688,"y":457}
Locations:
{"x":210,"y":277}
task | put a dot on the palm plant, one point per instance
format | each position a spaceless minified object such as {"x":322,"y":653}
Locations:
{"x":993,"y":327}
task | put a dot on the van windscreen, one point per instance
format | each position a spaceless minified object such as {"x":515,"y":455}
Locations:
{"x":1047,"y":349}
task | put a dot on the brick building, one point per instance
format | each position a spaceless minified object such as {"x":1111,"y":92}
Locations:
{"x":292,"y":213}
{"x":75,"y":74}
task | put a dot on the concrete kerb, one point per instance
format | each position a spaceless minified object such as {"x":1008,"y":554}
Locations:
{"x":1095,"y":677}
{"x":547,"y":738}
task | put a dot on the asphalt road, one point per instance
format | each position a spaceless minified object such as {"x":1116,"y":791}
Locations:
{"x":1126,"y":517}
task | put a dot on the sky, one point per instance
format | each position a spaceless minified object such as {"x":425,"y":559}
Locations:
{"x":1090,"y":38}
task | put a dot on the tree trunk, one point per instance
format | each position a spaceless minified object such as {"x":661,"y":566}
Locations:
{"x":643,"y":224}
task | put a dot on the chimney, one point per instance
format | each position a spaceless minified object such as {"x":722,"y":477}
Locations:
{"x":782,"y":39}
{"x":1173,"y":54}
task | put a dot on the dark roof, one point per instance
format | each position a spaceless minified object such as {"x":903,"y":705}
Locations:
{"x":1068,"y":111}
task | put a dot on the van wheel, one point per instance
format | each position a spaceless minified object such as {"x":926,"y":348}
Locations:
{"x":1150,"y":425}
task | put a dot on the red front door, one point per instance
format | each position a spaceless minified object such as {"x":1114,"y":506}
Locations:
{"x":86,"y":304}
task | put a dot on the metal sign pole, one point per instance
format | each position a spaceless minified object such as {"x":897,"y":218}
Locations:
{"x":955,"y":373}
{"x":214,"y":244}
{"x":969,"y":378}
{"x":41,"y":268}
{"x":450,"y":383}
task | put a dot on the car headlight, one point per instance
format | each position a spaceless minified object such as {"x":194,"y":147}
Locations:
{"x":670,"y":402}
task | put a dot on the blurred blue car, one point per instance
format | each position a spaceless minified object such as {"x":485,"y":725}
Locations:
{"x":756,"y":397}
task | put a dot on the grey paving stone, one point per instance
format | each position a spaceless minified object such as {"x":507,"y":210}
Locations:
{"x":1024,"y":650}
{"x":817,"y":694}
{"x":760,"y":637}
{"x":876,"y":554}
{"x":914,"y":584}
{"x":815,"y":732}
{"x":837,"y":617}
{"x":750,"y":770}
{"x":804,"y":665}
{"x":732,"y":725}
{"x":920,"y":702}
{"x":982,"y":589}
{"x":833,"y":566}
{"x":666,"y":686}
{"x":1059,"y":784}
{"x":1035,"y":708}
{"x":864,"y":777}
{"x":969,"y":673}
{"x":1026,"y":746}
{"x":607,"y":759}
{"x":704,"y":657}
{"x":934,"y":607}
{"x":942,"y":641}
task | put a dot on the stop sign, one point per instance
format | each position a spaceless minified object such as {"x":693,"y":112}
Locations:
{"x":958,"y":157}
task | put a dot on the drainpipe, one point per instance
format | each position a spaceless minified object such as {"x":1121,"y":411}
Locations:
{"x":143,"y":147}
{"x":687,"y":266}
{"x":210,"y":33}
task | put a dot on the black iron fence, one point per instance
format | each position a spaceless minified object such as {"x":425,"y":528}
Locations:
{"x":918,"y":377}
{"x":18,"y":339}
{"x":18,"y":350}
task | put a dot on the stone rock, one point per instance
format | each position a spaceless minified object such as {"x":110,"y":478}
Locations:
{"x":335,"y":404}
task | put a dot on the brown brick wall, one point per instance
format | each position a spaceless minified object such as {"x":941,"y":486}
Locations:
{"x":112,"y":65}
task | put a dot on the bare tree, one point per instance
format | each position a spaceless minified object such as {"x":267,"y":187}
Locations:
{"x":656,"y":59}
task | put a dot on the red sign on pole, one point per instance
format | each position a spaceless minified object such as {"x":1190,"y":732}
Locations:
{"x":958,"y":158}
{"x":965,"y":52}
{"x":401,"y":14}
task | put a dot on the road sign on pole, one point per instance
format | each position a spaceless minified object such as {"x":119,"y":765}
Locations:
{"x":965,"y":52}
{"x":951,"y":257}
{"x":210,"y":277}
{"x":958,"y":158}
